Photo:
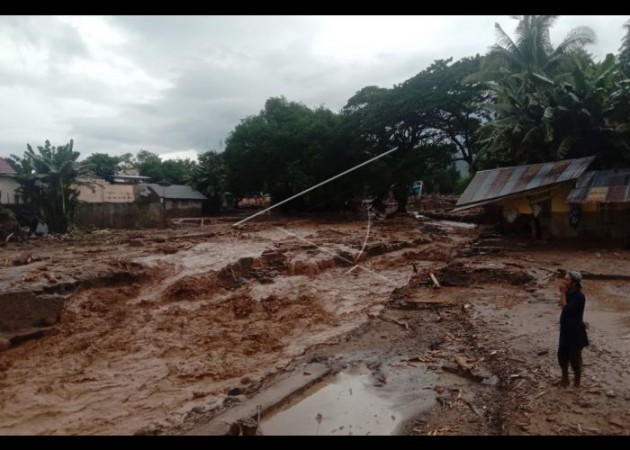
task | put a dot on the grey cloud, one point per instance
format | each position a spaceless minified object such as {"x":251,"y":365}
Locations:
{"x":221,"y":70}
{"x":61,"y":40}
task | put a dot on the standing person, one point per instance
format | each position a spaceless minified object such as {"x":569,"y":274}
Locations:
{"x":573,"y":336}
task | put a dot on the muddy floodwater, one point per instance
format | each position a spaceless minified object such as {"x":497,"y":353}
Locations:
{"x":159,"y":331}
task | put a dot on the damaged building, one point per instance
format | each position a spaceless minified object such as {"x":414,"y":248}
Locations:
{"x":554,"y":199}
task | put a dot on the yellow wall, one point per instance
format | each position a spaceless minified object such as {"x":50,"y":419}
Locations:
{"x":100,"y":191}
{"x":558,"y":201}
{"x":589,"y":207}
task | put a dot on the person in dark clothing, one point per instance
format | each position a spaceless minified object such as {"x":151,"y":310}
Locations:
{"x":573,"y":337}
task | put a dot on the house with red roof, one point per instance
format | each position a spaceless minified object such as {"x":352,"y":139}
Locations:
{"x":8,"y":184}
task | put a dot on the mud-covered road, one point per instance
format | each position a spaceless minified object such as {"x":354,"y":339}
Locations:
{"x":146,"y":332}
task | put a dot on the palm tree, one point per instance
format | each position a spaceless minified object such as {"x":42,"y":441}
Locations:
{"x":524,"y":75}
{"x":532,"y":52}
{"x":624,"y":51}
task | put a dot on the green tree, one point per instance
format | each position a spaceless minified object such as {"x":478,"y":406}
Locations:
{"x":126,"y":161}
{"x":448,"y":105}
{"x":281,"y":151}
{"x":432,"y":118}
{"x":581,"y":115}
{"x":102,"y":165}
{"x":177,"y":171}
{"x":47,"y":177}
{"x":532,"y":52}
{"x":149,"y":165}
{"x":551,"y":103}
{"x":209,"y":177}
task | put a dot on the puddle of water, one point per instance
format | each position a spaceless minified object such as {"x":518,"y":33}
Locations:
{"x":348,"y":405}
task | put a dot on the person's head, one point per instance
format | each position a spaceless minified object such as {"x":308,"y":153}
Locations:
{"x":573,"y":280}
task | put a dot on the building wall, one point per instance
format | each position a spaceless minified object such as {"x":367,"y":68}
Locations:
{"x":596,"y":223}
{"x":119,"y":215}
{"x":8,"y":186}
{"x":100,"y":191}
{"x":183,"y":208}
{"x":596,"y":220}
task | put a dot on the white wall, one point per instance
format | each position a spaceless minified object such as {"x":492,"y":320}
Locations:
{"x":8,"y":186}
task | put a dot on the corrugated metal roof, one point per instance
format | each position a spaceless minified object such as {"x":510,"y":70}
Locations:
{"x":5,"y":168}
{"x":491,"y":185}
{"x":176,"y":191}
{"x":602,"y":186}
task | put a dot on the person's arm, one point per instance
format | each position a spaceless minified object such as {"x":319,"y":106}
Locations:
{"x":563,"y":296}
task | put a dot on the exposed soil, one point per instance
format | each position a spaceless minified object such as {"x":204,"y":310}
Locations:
{"x":146,"y":332}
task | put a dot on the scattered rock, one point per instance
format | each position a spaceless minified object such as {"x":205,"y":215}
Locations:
{"x":136,"y":243}
{"x":246,"y":380}
{"x":318,"y":359}
{"x":491,"y":381}
{"x":235,"y":391}
{"x":610,"y":393}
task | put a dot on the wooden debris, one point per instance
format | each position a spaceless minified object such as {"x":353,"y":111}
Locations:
{"x":436,"y":283}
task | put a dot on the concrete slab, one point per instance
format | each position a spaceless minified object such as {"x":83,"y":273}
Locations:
{"x":272,"y":397}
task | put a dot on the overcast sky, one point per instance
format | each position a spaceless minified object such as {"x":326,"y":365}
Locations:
{"x":176,"y":85}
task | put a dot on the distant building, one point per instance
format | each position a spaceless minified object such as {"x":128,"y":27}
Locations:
{"x":178,"y":200}
{"x":9,"y":186}
{"x":557,"y":198}
{"x":98,"y":190}
{"x":131,"y":176}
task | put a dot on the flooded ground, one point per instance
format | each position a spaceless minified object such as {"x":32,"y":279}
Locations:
{"x":350,"y":405}
{"x":355,"y":401}
{"x":155,"y":332}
